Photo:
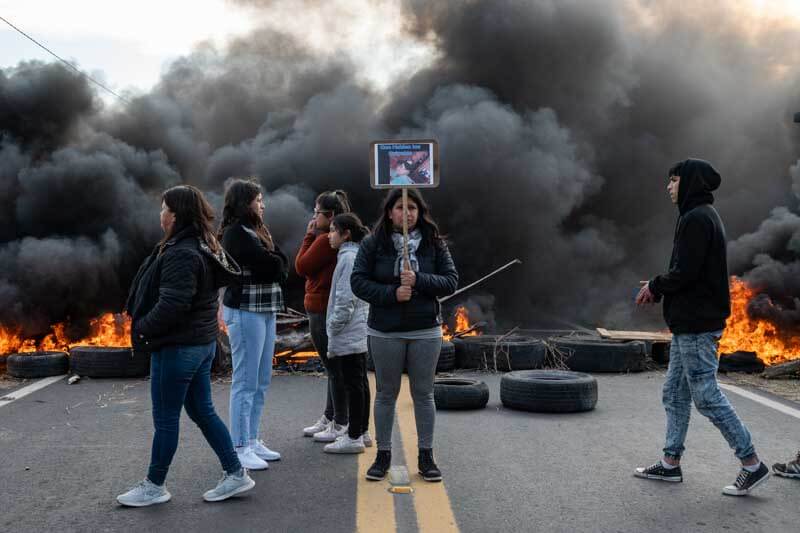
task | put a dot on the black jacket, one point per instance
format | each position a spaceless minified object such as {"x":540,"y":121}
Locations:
{"x":695,"y":290}
{"x":373,"y":280}
{"x":250,"y":253}
{"x":173,"y":298}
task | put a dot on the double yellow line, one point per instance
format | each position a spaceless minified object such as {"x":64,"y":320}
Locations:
{"x":375,"y":504}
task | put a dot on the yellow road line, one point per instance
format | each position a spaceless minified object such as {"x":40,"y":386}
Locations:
{"x":374,"y":503}
{"x":431,"y":502}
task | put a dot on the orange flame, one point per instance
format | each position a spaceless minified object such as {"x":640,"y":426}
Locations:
{"x":743,"y":333}
{"x":462,"y":324}
{"x":110,"y":329}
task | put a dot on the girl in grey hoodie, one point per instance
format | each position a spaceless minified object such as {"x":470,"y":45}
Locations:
{"x":346,"y":326}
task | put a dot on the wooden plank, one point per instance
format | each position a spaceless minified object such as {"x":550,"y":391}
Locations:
{"x":654,"y":336}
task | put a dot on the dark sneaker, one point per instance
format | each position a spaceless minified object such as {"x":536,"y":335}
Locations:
{"x":383,"y":460}
{"x":747,"y":481}
{"x":657,"y":471}
{"x":790,"y":469}
{"x":427,"y":467}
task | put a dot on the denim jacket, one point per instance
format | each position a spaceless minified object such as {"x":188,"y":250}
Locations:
{"x":346,"y":324}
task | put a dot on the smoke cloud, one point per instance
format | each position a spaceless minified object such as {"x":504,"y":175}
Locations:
{"x":556,"y":121}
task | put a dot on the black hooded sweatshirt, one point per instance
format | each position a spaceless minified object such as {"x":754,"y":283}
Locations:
{"x":695,"y":290}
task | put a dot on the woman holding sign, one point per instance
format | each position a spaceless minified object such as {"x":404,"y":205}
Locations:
{"x":404,"y":327}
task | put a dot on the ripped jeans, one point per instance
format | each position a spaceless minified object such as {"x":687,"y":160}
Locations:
{"x":692,"y":375}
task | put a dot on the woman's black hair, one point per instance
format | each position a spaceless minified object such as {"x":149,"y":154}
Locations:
{"x":191,"y":209}
{"x":383,"y":228}
{"x":239,"y":194}
{"x":334,"y":201}
{"x":350,"y":222}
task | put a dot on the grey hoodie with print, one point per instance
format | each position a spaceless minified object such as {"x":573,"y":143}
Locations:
{"x":346,"y":324}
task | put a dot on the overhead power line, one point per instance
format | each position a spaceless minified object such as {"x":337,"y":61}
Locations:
{"x":67,"y":63}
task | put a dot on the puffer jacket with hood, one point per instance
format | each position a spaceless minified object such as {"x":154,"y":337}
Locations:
{"x":695,"y":290}
{"x":173,"y":298}
{"x":346,"y":322}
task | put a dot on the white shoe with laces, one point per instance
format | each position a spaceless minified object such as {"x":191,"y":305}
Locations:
{"x":318,"y":426}
{"x":145,"y":493}
{"x":262,"y":452}
{"x":367,"y":438}
{"x":249,"y":459}
{"x":330,"y":433}
{"x":345,"y":444}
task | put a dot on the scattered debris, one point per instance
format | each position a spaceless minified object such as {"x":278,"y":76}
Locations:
{"x":73,"y":380}
{"x":785,"y":369}
{"x":655,"y":336}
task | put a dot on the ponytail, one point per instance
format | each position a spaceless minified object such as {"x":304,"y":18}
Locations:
{"x":350,"y":222}
{"x":336,"y":202}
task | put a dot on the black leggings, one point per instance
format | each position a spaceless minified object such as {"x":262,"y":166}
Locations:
{"x":352,"y":369}
{"x":336,"y":397}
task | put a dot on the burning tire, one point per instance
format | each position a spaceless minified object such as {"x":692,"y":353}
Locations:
{"x":460,"y":394}
{"x":548,"y":391}
{"x":588,"y":354}
{"x":37,"y":364}
{"x":101,"y":362}
{"x":515,"y":352}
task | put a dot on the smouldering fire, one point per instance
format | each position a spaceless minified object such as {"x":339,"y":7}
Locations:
{"x":462,"y":324}
{"x":113,"y":330}
{"x":743,"y":333}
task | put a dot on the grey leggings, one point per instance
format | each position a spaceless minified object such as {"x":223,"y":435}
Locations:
{"x":419,"y":357}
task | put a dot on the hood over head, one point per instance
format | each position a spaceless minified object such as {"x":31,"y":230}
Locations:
{"x":698,"y":180}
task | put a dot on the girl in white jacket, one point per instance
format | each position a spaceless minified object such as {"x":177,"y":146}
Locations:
{"x":347,"y":334}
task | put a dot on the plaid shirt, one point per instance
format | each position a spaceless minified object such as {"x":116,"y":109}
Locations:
{"x":260,"y":297}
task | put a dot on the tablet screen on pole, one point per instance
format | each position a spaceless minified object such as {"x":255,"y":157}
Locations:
{"x":406,"y":163}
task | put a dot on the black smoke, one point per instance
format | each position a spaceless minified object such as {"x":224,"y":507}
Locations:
{"x":557,"y":122}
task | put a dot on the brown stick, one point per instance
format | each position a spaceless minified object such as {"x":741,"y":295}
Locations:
{"x":470,"y":330}
{"x":784,"y":369}
{"x":406,"y":262}
{"x":484,"y":278}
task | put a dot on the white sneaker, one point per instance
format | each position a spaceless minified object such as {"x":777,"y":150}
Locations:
{"x":345,"y":444}
{"x":318,"y":426}
{"x":249,"y":459}
{"x":262,"y":452}
{"x":330,"y":433}
{"x":145,"y":493}
{"x":229,"y":485}
{"x":367,"y":438}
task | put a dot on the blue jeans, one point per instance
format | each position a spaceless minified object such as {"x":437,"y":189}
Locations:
{"x":180,"y":376}
{"x":252,"y":337}
{"x":692,"y":375}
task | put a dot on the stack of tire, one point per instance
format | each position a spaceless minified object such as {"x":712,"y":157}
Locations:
{"x":593,"y":354}
{"x":493,"y":352}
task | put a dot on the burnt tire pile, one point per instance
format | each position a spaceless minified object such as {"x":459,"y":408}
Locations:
{"x":591,"y":354}
{"x":102,"y":362}
{"x":490,"y":352}
{"x":548,"y":391}
{"x":37,"y":364}
{"x":460,"y":394}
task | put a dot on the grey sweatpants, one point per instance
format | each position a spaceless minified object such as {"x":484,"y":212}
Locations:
{"x":420,"y":357}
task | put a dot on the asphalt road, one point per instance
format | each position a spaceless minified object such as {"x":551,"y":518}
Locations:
{"x":67,"y":451}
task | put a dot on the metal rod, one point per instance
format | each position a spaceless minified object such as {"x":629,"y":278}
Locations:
{"x":484,"y":278}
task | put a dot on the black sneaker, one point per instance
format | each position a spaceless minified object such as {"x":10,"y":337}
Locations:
{"x":657,"y":471}
{"x":790,"y":469}
{"x":383,"y":460}
{"x":747,"y":481}
{"x":427,"y":467}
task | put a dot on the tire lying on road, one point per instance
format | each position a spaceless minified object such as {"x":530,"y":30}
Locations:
{"x":515,"y":352}
{"x":548,"y":391}
{"x":659,"y":352}
{"x":102,"y":362}
{"x":590,"y":354}
{"x":460,"y":393}
{"x":37,"y":364}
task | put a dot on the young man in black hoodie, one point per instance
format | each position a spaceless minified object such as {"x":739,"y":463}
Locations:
{"x":696,"y":303}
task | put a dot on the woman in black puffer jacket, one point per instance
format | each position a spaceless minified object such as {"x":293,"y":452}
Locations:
{"x":173,"y":306}
{"x":405,"y":326}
